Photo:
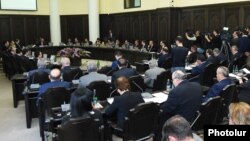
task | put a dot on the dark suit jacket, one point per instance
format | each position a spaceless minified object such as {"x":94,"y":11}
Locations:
{"x":126,"y":72}
{"x":122,"y":104}
{"x":183,"y":100}
{"x":212,"y":60}
{"x":66,"y":69}
{"x":217,"y":88}
{"x":162,"y":58}
{"x":31,"y":73}
{"x":199,"y":69}
{"x":53,"y":84}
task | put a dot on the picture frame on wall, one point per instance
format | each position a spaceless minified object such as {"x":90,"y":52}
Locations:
{"x":132,"y":4}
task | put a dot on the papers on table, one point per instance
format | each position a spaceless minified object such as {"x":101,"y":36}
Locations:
{"x":159,"y":97}
{"x":233,"y":75}
{"x":188,"y":68}
{"x":76,"y":82}
{"x":109,"y":79}
{"x":65,"y":107}
{"x":246,"y":71}
{"x":34,"y":86}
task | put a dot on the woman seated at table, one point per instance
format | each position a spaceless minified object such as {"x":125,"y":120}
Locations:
{"x":123,"y":103}
{"x":81,"y":105}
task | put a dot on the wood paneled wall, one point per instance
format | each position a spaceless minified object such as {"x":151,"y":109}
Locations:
{"x":25,"y":27}
{"x":158,"y":24}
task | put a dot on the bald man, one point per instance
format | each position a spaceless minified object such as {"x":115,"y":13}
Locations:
{"x":55,"y":78}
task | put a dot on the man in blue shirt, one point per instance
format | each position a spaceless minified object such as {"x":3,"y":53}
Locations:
{"x":201,"y":64}
{"x":118,"y":55}
{"x":55,"y":78}
{"x":223,"y":80}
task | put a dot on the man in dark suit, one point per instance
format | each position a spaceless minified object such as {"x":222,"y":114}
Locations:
{"x":223,"y":80}
{"x":219,"y":55}
{"x":55,"y":78}
{"x":118,"y":55}
{"x":65,"y":62}
{"x":41,"y":42}
{"x":201,"y":64}
{"x":184,"y":100}
{"x":123,"y":103}
{"x":123,"y":70}
{"x":165,"y":55}
{"x":41,"y":67}
{"x":152,"y":47}
{"x":210,"y":57}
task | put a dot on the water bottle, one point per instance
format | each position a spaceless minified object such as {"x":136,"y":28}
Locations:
{"x":94,"y":97}
{"x":236,"y":69}
{"x":98,"y":64}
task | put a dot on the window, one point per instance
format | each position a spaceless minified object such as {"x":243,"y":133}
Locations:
{"x":132,"y":4}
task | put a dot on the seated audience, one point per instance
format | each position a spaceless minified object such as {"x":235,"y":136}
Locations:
{"x":123,"y":103}
{"x":65,"y":63}
{"x":185,"y":99}
{"x":235,"y":54}
{"x":151,"y":47}
{"x":152,"y":72}
{"x":143,"y":46}
{"x":210,"y":57}
{"x":178,"y":128}
{"x":192,"y":55}
{"x":123,"y":70}
{"x":41,"y":67}
{"x":81,"y":105}
{"x":92,"y":75}
{"x":223,"y":80}
{"x":118,"y":55}
{"x":239,"y":113}
{"x":244,"y":94}
{"x":55,"y":78}
{"x":219,"y":55}
{"x":201,"y":64}
{"x":165,"y":55}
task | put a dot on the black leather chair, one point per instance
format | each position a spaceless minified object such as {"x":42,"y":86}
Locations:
{"x":168,"y":64}
{"x":53,"y":97}
{"x":141,"y":122}
{"x":80,"y":129}
{"x":223,"y":63}
{"x":160,"y":82}
{"x":228,"y":95}
{"x":137,"y":83}
{"x":207,"y":113}
{"x":39,"y":78}
{"x":102,"y":89}
{"x":73,"y":74}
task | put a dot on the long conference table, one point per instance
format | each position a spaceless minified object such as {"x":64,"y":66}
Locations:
{"x":98,"y":53}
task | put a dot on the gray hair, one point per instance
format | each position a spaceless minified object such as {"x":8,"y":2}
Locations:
{"x":65,"y":61}
{"x":216,"y":51}
{"x":153,"y":63}
{"x":92,"y":66}
{"x":41,"y":63}
{"x":178,"y":74}
{"x":234,"y":46}
{"x":223,"y":70}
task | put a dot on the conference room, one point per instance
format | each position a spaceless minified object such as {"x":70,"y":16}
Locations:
{"x":106,"y":70}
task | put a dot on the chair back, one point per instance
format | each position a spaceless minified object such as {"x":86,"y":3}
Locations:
{"x":136,"y":84}
{"x":223,"y":63}
{"x":80,"y":129}
{"x":55,"y":97}
{"x":161,"y":80}
{"x":228,"y":95}
{"x":141,"y":122}
{"x":40,"y":77}
{"x":73,"y":74}
{"x":102,"y":89}
{"x":206,"y":77}
{"x":168,"y":63}
{"x":207,"y":113}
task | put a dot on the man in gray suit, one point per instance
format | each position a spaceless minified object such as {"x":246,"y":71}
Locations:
{"x":151,"y":74}
{"x":92,"y":76}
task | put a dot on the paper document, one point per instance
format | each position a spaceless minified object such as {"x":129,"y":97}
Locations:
{"x":246,"y":71}
{"x":233,"y":75}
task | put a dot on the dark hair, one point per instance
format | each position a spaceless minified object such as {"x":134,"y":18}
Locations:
{"x":179,"y":39}
{"x":201,"y":57}
{"x":122,"y":62}
{"x":37,"y":54}
{"x":210,"y":52}
{"x":81,"y":102}
{"x":165,"y":49}
{"x":118,"y":53}
{"x":122,"y":83}
{"x":178,"y":127}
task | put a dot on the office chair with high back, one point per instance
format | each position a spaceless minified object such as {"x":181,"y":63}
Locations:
{"x":101,"y":88}
{"x":73,"y":74}
{"x":141,"y":122}
{"x":39,"y":77}
{"x":207,"y":113}
{"x":53,"y":97}
{"x":228,"y":95}
{"x":168,"y":64}
{"x":160,"y":82}
{"x":137,"y":84}
{"x":80,"y":129}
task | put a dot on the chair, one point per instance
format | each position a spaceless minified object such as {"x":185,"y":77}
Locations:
{"x":102,"y":89}
{"x":228,"y":95}
{"x":161,"y":80}
{"x":80,"y":129}
{"x":73,"y":74}
{"x":137,"y":83}
{"x":167,"y":64}
{"x":40,"y":77}
{"x":53,"y":97}
{"x":223,"y":63}
{"x":207,"y":113}
{"x":141,"y":122}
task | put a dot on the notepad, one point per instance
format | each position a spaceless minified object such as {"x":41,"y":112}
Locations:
{"x":246,"y":71}
{"x":233,"y":75}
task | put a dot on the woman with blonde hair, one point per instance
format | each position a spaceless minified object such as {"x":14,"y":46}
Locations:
{"x":239,"y":113}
